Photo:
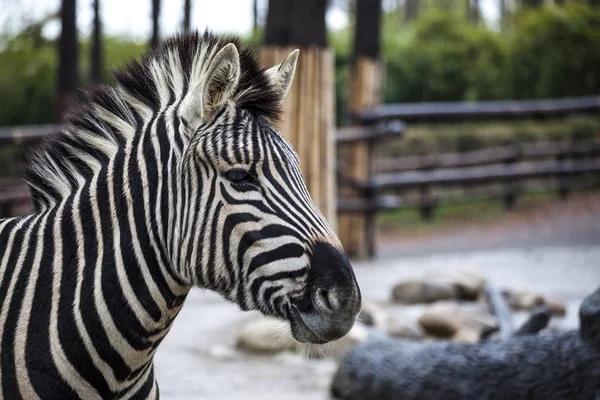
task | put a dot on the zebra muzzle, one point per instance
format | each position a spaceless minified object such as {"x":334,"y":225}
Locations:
{"x":332,"y":301}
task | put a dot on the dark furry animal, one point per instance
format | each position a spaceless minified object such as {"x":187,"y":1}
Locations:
{"x":563,"y":366}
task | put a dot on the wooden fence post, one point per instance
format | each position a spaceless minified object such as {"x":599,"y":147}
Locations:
{"x":355,"y":228}
{"x":309,"y":111}
{"x":563,"y":182}
{"x":510,"y":189}
{"x":308,"y":119}
{"x":357,"y":231}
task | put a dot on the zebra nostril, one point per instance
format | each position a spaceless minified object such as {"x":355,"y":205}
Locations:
{"x":326,"y":300}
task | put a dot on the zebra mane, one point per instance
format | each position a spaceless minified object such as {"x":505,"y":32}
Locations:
{"x":107,"y":117}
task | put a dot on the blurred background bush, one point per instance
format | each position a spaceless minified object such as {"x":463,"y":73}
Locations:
{"x":434,"y":51}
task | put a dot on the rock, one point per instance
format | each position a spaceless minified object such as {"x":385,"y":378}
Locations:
{"x":401,"y":328}
{"x":527,"y":300}
{"x":467,"y":284}
{"x":372,"y":314}
{"x":523,"y":299}
{"x":466,"y":335}
{"x":264,"y":336}
{"x":453,"y":321}
{"x":401,"y":321}
{"x":416,"y":291}
{"x":554,"y":305}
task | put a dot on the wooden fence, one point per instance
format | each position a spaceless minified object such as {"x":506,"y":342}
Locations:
{"x":391,"y":178}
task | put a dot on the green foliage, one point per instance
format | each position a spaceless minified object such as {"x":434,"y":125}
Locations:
{"x":548,"y":52}
{"x":116,"y":52}
{"x":555,"y":52}
{"x":28,"y":81}
{"x":445,"y":59}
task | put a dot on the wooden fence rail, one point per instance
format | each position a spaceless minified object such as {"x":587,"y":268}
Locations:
{"x":478,"y":175}
{"x":23,"y":134}
{"x":484,"y":110}
{"x":492,"y":155}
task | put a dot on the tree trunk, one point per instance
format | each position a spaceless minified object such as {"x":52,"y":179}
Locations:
{"x":154,"y":40}
{"x":473,"y":11}
{"x":503,"y":14}
{"x":187,"y":15}
{"x":67,"y":59}
{"x":309,"y":107}
{"x":532,"y":3}
{"x":367,"y":36}
{"x":357,"y":231}
{"x":254,"y":15}
{"x":411,"y":10}
{"x":96,"y":52}
{"x":277,"y":28}
{"x":298,"y":22}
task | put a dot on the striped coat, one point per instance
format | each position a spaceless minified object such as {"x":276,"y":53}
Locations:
{"x":174,"y":178}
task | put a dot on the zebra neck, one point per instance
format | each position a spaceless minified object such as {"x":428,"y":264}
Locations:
{"x":91,"y":310}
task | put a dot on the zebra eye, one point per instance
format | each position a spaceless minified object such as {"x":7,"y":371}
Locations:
{"x":239,"y":176}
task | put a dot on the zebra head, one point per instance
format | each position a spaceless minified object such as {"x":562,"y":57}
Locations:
{"x":250,"y":229}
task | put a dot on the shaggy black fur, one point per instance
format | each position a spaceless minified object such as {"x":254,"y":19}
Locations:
{"x":563,"y":366}
{"x":56,"y":163}
{"x":136,"y":77}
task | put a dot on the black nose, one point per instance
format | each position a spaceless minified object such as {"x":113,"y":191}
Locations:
{"x":332,"y":301}
{"x":332,"y":284}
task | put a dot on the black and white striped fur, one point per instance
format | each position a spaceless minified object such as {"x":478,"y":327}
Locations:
{"x":173,"y":178}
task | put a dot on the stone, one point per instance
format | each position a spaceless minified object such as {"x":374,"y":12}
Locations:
{"x":264,"y":335}
{"x":467,"y":284}
{"x":555,"y":305}
{"x":372,"y":314}
{"x":401,"y":320}
{"x":402,"y":328}
{"x":466,"y":335}
{"x":450,"y":320}
{"x":418,"y":291}
{"x":523,"y":299}
{"x":528,"y":300}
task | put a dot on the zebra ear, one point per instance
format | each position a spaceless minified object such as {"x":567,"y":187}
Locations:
{"x":282,"y":75}
{"x":209,"y":97}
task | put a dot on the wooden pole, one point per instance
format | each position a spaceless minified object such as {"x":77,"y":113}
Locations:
{"x":309,"y":108}
{"x":357,"y":232}
{"x":96,"y":53}
{"x":68,"y":56}
{"x":308,"y":119}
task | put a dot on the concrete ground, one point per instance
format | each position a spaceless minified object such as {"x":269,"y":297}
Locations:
{"x":556,"y":252}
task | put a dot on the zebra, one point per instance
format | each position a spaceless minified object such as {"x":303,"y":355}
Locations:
{"x":175,"y":177}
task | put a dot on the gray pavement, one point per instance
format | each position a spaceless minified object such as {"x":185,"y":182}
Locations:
{"x":197,"y":359}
